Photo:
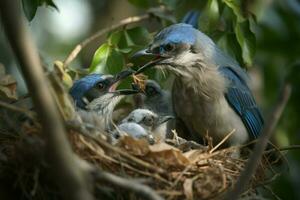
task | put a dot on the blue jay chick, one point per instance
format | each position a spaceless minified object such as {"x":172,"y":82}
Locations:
{"x":134,"y":130}
{"x":155,"y":98}
{"x":96,"y":97}
{"x":210,"y":91}
{"x":149,"y":121}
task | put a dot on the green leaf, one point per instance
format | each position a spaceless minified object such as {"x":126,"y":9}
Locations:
{"x":107,"y":60}
{"x":50,"y":3}
{"x":114,"y":38}
{"x":229,"y":44}
{"x":30,"y":8}
{"x":171,"y":4}
{"x":210,"y":17}
{"x":128,"y":39}
{"x":247,"y":41}
{"x":125,"y":50}
{"x":236,"y":8}
{"x":139,"y":35}
{"x":141,"y":3}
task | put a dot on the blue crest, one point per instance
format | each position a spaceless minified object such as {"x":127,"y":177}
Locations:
{"x":177,"y":33}
{"x":83,"y":85}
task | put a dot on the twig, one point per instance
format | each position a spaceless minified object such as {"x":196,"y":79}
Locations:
{"x":17,"y":109}
{"x":127,"y":184}
{"x":84,"y":43}
{"x":68,"y":175}
{"x":292,"y":147}
{"x":223,"y":140}
{"x":105,"y":144}
{"x":260,"y":145}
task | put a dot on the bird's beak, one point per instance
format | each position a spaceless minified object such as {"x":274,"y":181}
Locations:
{"x":119,"y":77}
{"x":164,"y":119}
{"x":145,"y":52}
{"x":149,"y":65}
{"x":123,"y":74}
{"x":141,"y":53}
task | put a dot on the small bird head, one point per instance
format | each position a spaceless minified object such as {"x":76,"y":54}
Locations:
{"x":152,"y":88}
{"x":146,"y":118}
{"x":94,"y":86}
{"x":179,"y":47}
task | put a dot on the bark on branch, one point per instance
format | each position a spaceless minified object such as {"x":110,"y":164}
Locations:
{"x":65,"y":171}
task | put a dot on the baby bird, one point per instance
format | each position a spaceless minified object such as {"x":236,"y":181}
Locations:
{"x":149,"y":121}
{"x":95,"y":96}
{"x":134,"y":130}
{"x":155,"y":98}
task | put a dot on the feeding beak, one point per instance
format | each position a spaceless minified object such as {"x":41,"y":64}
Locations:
{"x":119,"y":77}
{"x":143,"y":52}
{"x":157,"y":58}
{"x":163,"y":119}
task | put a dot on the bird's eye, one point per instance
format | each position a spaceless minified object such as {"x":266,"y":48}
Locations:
{"x":100,"y":86}
{"x":150,"y":91}
{"x":130,"y":120}
{"x":169,"y":47}
{"x":148,"y":121}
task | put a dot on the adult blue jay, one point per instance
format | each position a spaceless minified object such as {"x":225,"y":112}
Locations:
{"x":96,"y":97}
{"x":210,"y":91}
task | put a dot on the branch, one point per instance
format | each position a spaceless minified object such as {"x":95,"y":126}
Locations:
{"x":126,"y":184}
{"x":291,"y":147}
{"x":14,"y":108}
{"x":84,"y":43}
{"x":68,"y":175}
{"x":261,"y":144}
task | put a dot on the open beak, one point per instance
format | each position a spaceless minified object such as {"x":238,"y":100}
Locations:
{"x":163,"y":119}
{"x":157,"y":58}
{"x":143,"y":52}
{"x":119,"y":77}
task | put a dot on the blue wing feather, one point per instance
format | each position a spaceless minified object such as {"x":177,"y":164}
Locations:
{"x":241,"y":100}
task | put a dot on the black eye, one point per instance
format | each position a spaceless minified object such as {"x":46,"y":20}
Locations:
{"x":101,"y":86}
{"x":148,"y":121}
{"x":150,"y":91}
{"x":130,"y":120}
{"x":169,"y":47}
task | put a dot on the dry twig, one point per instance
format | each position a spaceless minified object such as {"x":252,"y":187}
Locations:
{"x":71,"y":178}
{"x":127,"y":184}
{"x":84,"y":43}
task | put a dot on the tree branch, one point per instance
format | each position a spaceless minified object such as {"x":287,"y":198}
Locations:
{"x":126,"y":184}
{"x":260,"y":145}
{"x":65,"y":171}
{"x":84,"y":43}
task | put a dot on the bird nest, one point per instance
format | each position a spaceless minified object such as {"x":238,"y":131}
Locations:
{"x":171,"y":170}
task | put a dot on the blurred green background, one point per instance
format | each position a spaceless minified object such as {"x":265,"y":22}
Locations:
{"x":264,"y":36}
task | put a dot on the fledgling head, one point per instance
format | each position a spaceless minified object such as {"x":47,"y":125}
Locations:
{"x":134,"y":130}
{"x":146,"y":118}
{"x":91,"y":87}
{"x":94,"y":86}
{"x":155,"y":98}
{"x":152,"y":89}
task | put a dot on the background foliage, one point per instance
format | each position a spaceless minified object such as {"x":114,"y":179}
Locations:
{"x":263,"y":36}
